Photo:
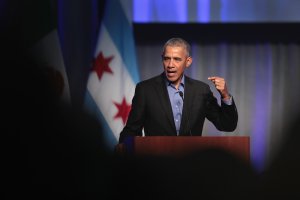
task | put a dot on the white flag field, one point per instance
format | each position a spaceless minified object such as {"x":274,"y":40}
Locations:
{"x":113,"y":74}
{"x":40,"y":36}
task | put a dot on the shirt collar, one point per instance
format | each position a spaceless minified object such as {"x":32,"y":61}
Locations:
{"x":170,"y":84}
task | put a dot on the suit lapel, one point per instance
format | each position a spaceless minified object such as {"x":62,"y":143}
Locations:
{"x":162,"y":92}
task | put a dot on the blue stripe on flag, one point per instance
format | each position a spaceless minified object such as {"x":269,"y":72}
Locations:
{"x":120,"y":31}
{"x":92,"y":108}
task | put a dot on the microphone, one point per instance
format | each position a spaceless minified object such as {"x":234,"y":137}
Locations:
{"x":187,"y":117}
{"x":181,"y":94}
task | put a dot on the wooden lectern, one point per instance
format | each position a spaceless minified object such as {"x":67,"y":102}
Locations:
{"x":183,"y":145}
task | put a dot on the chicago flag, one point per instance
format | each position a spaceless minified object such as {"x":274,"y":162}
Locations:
{"x":114,"y":72}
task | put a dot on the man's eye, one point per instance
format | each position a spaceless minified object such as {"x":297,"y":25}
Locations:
{"x":166,"y":58}
{"x":177,"y":59}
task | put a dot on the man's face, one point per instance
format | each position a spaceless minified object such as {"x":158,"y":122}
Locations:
{"x":175,"y":60}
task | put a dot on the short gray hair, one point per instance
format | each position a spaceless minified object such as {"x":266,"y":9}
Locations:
{"x":178,"y":42}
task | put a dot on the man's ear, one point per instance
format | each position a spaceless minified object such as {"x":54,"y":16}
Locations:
{"x":189,"y":61}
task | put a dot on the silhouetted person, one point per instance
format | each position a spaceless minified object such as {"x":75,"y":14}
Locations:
{"x":50,"y":150}
{"x":206,"y":174}
{"x":282,"y":177}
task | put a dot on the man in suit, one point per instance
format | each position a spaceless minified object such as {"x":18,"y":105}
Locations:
{"x":173,"y":104}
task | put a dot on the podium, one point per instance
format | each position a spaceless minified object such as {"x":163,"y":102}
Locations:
{"x":182,"y":145}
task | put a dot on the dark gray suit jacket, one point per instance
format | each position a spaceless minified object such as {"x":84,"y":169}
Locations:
{"x":151,"y":110}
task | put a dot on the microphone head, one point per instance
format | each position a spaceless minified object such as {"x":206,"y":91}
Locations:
{"x":181,"y":94}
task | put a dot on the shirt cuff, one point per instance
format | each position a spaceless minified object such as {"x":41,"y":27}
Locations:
{"x":228,"y":102}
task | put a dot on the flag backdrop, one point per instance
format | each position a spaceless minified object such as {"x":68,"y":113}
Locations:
{"x":114,"y":72}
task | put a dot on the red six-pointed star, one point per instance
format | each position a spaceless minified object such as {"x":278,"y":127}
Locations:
{"x":100,"y":65}
{"x":123,"y":110}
